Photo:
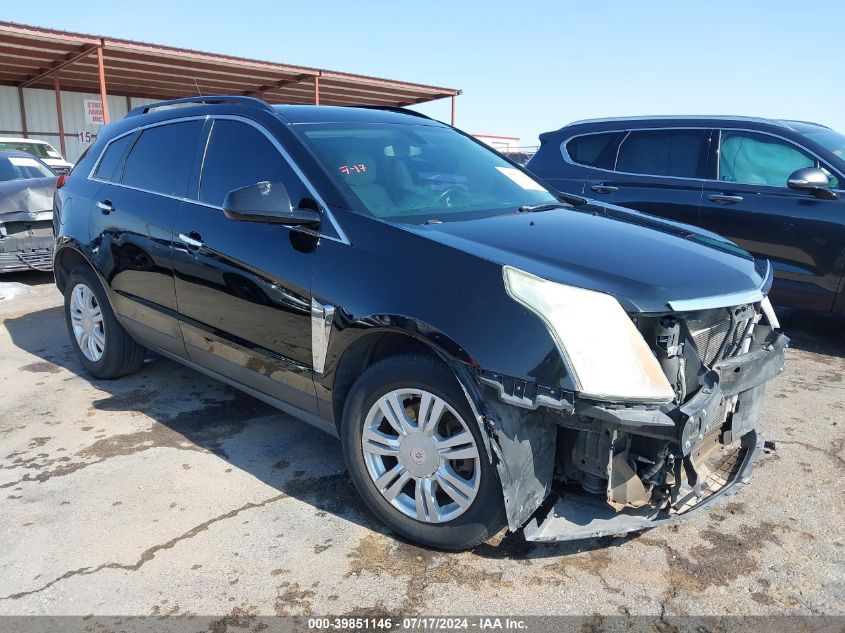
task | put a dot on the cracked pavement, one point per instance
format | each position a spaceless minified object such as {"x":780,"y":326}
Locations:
{"x":167,"y":493}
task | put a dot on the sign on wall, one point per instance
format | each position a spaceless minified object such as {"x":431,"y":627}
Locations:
{"x":94,"y":111}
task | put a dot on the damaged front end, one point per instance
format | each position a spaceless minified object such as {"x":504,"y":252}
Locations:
{"x":26,"y":224}
{"x":574,"y":466}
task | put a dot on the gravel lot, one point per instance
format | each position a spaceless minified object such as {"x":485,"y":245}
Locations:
{"x":168,"y":493}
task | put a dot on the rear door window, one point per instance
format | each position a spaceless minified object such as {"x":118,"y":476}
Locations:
{"x":594,"y":150}
{"x":759,"y":159}
{"x":674,"y":153}
{"x":108,"y":169}
{"x":239,"y":155}
{"x":161,"y":159}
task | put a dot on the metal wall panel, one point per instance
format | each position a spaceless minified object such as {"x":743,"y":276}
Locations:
{"x":40,"y":110}
{"x":75,"y":124}
{"x":139,"y":101}
{"x":10,"y":111}
{"x":42,"y":118}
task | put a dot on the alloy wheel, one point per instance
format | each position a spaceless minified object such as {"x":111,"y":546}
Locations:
{"x":421,"y":455}
{"x":86,"y":319}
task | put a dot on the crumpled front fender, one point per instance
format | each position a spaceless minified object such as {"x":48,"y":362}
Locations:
{"x":519,"y":442}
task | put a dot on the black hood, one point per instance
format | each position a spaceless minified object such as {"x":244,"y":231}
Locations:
{"x":643,"y":261}
{"x":25,"y":197}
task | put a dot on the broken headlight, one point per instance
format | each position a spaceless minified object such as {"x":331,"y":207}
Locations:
{"x":607,"y":356}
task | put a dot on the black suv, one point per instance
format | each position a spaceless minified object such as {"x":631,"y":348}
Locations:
{"x":773,"y":187}
{"x":475,"y":342}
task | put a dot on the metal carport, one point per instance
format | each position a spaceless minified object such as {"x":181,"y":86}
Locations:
{"x":125,"y":73}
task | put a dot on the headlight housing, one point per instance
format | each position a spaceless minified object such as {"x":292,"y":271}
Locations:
{"x":608,"y":357}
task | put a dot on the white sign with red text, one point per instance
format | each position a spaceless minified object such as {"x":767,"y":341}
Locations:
{"x":94,"y":111}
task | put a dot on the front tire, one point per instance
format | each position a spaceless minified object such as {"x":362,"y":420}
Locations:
{"x":101,"y":344}
{"x":417,"y":456}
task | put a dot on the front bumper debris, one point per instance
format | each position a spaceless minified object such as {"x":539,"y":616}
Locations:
{"x":573,"y":469}
{"x":581,"y":516}
{"x":717,"y":456}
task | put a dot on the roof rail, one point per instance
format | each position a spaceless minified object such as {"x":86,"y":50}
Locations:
{"x":207,"y":100}
{"x":397,"y":109}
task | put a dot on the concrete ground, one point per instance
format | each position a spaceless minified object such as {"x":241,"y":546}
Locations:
{"x":168,"y":493}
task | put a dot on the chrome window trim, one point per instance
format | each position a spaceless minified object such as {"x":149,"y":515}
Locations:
{"x":324,"y":208}
{"x":568,"y":159}
{"x":726,"y":300}
{"x":90,"y":176}
{"x":819,"y":160}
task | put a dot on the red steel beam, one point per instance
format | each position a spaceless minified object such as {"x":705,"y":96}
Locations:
{"x":58,"y":90}
{"x":102,"y":72}
{"x":117,"y":75}
{"x":279,"y":84}
{"x":23,"y":111}
{"x":69,"y":59}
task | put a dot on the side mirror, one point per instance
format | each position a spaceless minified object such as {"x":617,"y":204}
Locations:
{"x":267,"y":202}
{"x":811,"y":180}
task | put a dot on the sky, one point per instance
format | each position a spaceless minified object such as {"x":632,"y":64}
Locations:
{"x":524,"y":67}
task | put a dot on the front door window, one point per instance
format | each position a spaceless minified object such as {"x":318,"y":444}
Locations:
{"x":759,"y":159}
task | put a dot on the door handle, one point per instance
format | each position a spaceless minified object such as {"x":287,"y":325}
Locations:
{"x":191,"y":240}
{"x":722,"y":198}
{"x":604,"y":188}
{"x":105,"y":206}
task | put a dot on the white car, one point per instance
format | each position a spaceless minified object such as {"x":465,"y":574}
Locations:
{"x":40,"y":149}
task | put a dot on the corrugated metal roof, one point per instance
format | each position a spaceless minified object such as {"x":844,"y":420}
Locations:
{"x":31,"y":56}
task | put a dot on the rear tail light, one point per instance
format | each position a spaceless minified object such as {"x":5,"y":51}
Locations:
{"x":61,"y":181}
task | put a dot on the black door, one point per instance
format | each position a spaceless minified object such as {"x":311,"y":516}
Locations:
{"x":658,"y":172}
{"x":749,"y":203}
{"x":243,"y":288}
{"x":132,"y":226}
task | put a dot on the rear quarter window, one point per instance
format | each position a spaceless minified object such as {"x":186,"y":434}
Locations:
{"x":108,"y":169}
{"x":593,"y":150}
{"x":162,"y":157}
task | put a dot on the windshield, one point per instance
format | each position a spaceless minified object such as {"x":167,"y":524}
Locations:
{"x":22,"y":167}
{"x":831,"y":140}
{"x":416,"y":173}
{"x":41,"y":150}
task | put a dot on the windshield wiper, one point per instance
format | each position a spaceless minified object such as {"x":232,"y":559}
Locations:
{"x":546,"y":206}
{"x":566,"y":200}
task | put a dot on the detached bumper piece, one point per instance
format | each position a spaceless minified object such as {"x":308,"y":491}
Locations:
{"x":580,"y":516}
{"x":628,"y":469}
{"x":31,"y":252}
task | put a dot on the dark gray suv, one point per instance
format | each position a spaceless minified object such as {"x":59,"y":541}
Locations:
{"x":775,"y":188}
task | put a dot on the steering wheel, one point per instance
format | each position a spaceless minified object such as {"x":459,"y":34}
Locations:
{"x":445,"y":198}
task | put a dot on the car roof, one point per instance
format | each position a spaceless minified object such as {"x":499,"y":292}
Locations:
{"x":360,"y":114}
{"x":291,"y":114}
{"x":697,"y":119}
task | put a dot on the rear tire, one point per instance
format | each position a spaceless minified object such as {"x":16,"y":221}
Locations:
{"x":101,"y":344}
{"x":450,"y":498}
